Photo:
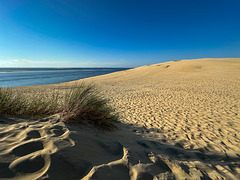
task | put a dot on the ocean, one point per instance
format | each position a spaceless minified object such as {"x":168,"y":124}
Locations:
{"x":14,"y":77}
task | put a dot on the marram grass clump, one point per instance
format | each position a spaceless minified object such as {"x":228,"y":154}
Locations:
{"x":16,"y":102}
{"x":83,"y":102}
{"x":80,"y":103}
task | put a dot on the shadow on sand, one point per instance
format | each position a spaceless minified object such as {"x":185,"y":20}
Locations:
{"x":66,"y":151}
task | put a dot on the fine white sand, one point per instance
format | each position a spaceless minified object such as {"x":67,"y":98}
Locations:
{"x":179,"y":120}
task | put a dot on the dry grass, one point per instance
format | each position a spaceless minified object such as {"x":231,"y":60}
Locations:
{"x":80,"y":103}
{"x":84,"y":103}
{"x":15,"y":102}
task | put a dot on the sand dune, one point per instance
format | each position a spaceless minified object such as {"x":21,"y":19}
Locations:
{"x":179,"y":120}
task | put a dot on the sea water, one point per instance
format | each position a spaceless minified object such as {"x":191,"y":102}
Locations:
{"x":13,"y":77}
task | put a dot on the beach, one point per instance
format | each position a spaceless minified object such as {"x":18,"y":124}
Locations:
{"x":178,"y":120}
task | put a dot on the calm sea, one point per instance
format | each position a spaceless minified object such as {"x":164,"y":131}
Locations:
{"x":13,"y":77}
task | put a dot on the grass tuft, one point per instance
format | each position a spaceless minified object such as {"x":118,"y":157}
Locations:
{"x":81,"y":103}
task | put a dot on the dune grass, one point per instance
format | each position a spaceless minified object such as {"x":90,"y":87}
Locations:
{"x":15,"y":102}
{"x":80,"y":103}
{"x":84,"y":102}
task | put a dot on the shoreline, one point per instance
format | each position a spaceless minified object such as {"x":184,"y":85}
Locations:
{"x":42,"y":77}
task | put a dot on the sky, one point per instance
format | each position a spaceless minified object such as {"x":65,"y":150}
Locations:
{"x":116,"y":33}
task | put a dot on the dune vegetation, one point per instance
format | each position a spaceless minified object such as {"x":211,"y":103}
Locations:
{"x":79,"y":103}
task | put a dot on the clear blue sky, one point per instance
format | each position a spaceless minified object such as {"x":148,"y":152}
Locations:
{"x":116,"y":33}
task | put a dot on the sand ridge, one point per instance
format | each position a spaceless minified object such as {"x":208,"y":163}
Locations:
{"x":179,"y":120}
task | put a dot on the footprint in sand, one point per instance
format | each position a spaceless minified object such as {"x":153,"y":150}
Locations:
{"x":26,"y":147}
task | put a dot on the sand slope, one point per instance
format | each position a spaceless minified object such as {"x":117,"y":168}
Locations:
{"x":180,"y":120}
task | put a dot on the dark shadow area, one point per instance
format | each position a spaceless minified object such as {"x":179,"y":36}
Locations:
{"x":180,"y":155}
{"x":111,"y":142}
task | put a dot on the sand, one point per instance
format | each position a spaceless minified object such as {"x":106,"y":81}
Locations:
{"x":179,"y":120}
